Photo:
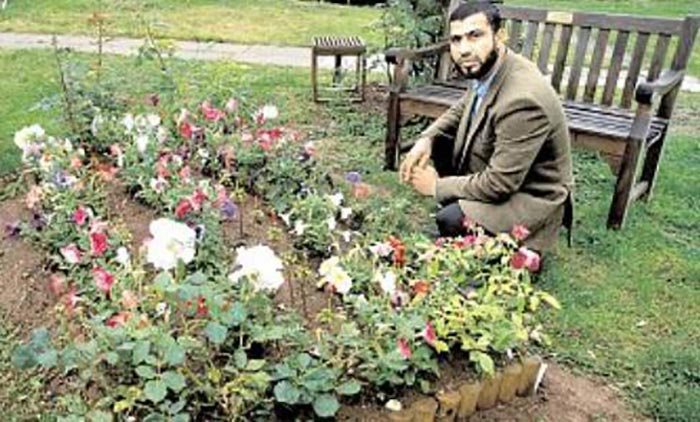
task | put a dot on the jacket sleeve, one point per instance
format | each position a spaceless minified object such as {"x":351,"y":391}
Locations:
{"x":446,"y":125}
{"x":520,"y":130}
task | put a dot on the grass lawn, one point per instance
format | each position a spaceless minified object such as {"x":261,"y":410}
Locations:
{"x":631,"y":298}
{"x":280,"y":22}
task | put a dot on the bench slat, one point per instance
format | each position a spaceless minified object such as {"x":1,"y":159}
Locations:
{"x":657,"y":60}
{"x":601,"y":46}
{"x":545,"y":48}
{"x":514,"y":35}
{"x":529,"y":45}
{"x":615,"y":67}
{"x":562,"y":54}
{"x":579,"y":57}
{"x":634,"y":69}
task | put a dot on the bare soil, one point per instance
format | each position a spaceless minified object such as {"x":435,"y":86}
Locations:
{"x":25,"y":300}
{"x":135,"y":216}
{"x":563,"y":397}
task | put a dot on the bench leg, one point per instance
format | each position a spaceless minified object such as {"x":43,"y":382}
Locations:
{"x":393,"y":129}
{"x":337,"y":72}
{"x":314,"y":76}
{"x":623,"y":185}
{"x":651,"y":166}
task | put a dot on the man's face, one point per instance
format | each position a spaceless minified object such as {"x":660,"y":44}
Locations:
{"x":473,"y":45}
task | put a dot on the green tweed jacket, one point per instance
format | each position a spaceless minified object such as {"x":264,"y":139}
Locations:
{"x":513,"y":160}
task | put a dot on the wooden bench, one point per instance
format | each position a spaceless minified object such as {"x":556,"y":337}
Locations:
{"x":617,"y":84}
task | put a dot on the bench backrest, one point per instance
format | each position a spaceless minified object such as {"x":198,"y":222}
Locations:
{"x":598,"y":58}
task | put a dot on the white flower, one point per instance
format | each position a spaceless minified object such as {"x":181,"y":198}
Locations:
{"x":340,"y":280}
{"x":269,"y":112}
{"x":123,"y":256}
{"x":67,"y":145}
{"x":97,"y":122}
{"x":328,"y":265}
{"x":381,"y":249}
{"x":27,"y":135}
{"x":299,"y":227}
{"x":285,"y":218}
{"x":336,"y":199}
{"x":172,"y":241}
{"x":158,"y":185}
{"x":153,"y":120}
{"x":161,"y":308}
{"x":347,"y":234}
{"x":262,"y":267}
{"x":142,"y":143}
{"x":161,"y":134}
{"x":331,"y":223}
{"x":345,"y":213}
{"x":387,"y":281}
{"x":128,"y":122}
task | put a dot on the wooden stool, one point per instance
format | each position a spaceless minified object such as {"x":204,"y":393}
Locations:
{"x":339,"y":46}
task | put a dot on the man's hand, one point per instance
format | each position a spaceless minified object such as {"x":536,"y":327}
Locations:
{"x":424,"y":180}
{"x":418,"y":156}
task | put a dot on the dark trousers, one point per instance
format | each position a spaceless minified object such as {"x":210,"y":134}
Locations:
{"x":450,"y":217}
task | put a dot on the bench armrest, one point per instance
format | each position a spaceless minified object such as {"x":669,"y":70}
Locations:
{"x":662,"y":85}
{"x":396,"y":55}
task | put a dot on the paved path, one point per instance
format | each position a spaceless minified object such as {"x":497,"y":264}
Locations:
{"x":256,"y":54}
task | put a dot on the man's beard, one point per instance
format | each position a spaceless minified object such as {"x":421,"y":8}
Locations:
{"x":483,"y":70}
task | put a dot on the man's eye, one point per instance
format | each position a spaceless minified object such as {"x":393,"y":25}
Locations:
{"x":455,"y":40}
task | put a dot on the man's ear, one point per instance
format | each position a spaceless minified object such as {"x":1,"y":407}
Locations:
{"x":501,"y":37}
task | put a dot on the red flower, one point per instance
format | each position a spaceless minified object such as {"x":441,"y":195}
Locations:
{"x":183,"y":208}
{"x":520,"y":232}
{"x":56,"y":284}
{"x":429,"y":334}
{"x":404,"y":348}
{"x":80,"y":216}
{"x":464,"y":242}
{"x":186,"y":130}
{"x":103,"y":279}
{"x":118,"y":320}
{"x":421,"y":288}
{"x":211,"y":113}
{"x":98,"y":243}
{"x":202,"y":309}
{"x":399,"y":251}
{"x":198,"y":199}
{"x":525,"y":258}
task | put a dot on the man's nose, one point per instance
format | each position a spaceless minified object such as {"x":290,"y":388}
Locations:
{"x":464,"y":48}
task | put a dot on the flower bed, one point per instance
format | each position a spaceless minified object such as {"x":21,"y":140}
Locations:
{"x":192,"y":324}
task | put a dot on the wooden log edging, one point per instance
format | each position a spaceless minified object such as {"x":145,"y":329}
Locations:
{"x":457,"y":405}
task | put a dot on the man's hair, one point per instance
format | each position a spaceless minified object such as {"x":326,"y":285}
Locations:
{"x":466,"y":9}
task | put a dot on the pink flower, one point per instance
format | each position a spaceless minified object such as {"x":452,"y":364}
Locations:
{"x":98,"y":243}
{"x":80,"y":216}
{"x":525,"y":258}
{"x":183,"y":208}
{"x":198,"y":199}
{"x":118,"y":320}
{"x":429,"y":334}
{"x":71,"y":253}
{"x":469,"y":223}
{"x":520,"y":232}
{"x":310,"y":149}
{"x":33,"y":197}
{"x":103,"y":279}
{"x":185,"y":174}
{"x":404,"y":348}
{"x":212,"y":113}
{"x":247,"y":137}
{"x":71,"y":299}
{"x":129,"y":299}
{"x":56,"y":284}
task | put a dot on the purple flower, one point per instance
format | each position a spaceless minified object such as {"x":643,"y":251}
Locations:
{"x":60,"y":179}
{"x":228,"y":209}
{"x":12,"y":230}
{"x":353,"y":177}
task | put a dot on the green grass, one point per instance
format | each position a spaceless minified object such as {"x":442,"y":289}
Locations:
{"x":279,"y":22}
{"x":631,"y":298}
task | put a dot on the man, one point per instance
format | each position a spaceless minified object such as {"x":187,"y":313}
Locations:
{"x":502,"y":153}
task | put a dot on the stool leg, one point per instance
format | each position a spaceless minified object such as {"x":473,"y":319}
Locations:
{"x":338,"y":65}
{"x":364,"y":77}
{"x":314,"y":76}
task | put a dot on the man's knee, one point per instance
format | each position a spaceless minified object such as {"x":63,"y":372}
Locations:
{"x":449,"y":220}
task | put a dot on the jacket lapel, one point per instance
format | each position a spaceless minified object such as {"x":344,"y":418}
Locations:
{"x":485,"y":104}
{"x":462,"y":129}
